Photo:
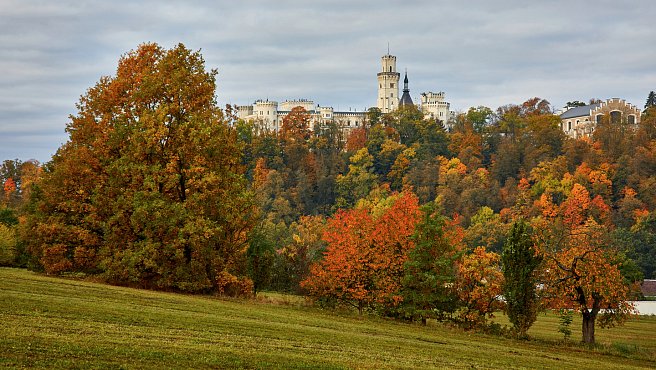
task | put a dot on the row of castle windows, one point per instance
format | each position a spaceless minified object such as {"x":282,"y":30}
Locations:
{"x":391,"y":86}
{"x":615,"y":118}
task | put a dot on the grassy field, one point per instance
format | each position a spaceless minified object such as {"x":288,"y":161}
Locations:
{"x":58,"y":323}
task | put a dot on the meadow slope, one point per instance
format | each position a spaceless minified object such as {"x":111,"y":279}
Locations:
{"x":51,"y":322}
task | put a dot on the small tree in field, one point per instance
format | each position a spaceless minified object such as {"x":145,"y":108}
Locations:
{"x":479,"y":287}
{"x":582,"y":267}
{"x":519,"y":262}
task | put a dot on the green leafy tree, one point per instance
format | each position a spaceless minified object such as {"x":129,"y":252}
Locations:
{"x":430,"y":272}
{"x":479,"y":117}
{"x":359,"y":180}
{"x":260,"y":253}
{"x":8,"y":251}
{"x":639,"y":244}
{"x":520,"y":263}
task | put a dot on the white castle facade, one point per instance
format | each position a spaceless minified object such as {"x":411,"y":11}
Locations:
{"x":270,"y":114}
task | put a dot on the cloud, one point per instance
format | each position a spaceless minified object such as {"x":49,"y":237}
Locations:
{"x":478,"y":52}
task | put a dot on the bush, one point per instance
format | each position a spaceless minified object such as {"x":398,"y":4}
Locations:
{"x":233,"y":286}
{"x":7,"y":246}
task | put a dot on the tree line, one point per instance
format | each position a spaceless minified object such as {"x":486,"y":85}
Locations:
{"x":158,"y":187}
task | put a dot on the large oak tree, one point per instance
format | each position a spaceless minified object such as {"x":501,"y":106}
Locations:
{"x":148,"y":190}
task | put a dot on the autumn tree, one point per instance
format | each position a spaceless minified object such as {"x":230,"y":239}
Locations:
{"x":486,"y":229}
{"x":304,"y":247}
{"x":363,"y":264}
{"x":479,"y":285}
{"x":149,"y":189}
{"x":356,"y":139}
{"x":520,"y":263}
{"x":582,"y":267}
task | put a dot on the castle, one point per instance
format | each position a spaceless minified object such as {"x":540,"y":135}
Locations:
{"x":270,"y":114}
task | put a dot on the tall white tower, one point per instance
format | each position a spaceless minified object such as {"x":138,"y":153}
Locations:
{"x":388,"y":85}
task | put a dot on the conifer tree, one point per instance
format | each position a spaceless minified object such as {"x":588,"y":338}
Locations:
{"x":430,"y":272}
{"x":651,"y":100}
{"x":519,"y":269}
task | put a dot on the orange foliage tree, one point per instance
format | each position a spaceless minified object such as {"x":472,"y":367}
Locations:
{"x":582,"y":268}
{"x":367,"y":249}
{"x":479,"y":285}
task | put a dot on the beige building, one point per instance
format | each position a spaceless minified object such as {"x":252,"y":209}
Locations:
{"x":270,"y":114}
{"x":435,"y":106}
{"x":579,"y":122}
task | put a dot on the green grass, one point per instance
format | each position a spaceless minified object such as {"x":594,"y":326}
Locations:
{"x":50,"y":322}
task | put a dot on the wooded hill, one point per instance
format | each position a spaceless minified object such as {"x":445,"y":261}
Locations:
{"x":159,"y":188}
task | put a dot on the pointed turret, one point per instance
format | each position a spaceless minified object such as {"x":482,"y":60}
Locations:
{"x":406,"y":100}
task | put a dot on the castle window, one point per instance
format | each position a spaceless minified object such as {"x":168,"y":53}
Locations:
{"x":392,"y":85}
{"x":632,"y":119}
{"x":598,"y":118}
{"x":390,"y":68}
{"x":392,"y":95}
{"x":569,"y":125}
{"x":615,"y":117}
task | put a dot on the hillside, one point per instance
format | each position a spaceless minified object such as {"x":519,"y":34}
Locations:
{"x":61,"y":323}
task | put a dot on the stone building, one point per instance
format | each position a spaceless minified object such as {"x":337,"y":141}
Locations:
{"x":579,"y":122}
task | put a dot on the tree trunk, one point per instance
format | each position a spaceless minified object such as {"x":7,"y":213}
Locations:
{"x":588,"y":326}
{"x":423,"y":321}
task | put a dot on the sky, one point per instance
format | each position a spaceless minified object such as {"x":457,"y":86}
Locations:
{"x":480,"y":53}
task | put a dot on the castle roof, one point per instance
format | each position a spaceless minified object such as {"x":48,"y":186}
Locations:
{"x":579,"y":111}
{"x":406,"y":100}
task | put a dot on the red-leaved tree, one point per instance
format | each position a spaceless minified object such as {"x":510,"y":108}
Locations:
{"x":367,"y":248}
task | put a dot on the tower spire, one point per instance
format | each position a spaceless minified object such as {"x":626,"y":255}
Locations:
{"x":388,"y":48}
{"x":405,"y":82}
{"x":406,"y":100}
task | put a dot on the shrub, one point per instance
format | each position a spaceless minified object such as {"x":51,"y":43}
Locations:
{"x":7,"y":246}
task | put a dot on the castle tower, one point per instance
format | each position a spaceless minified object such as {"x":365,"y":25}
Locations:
{"x":406,"y":100}
{"x":388,"y":85}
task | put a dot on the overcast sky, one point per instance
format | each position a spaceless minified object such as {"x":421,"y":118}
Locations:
{"x":483,"y":52}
